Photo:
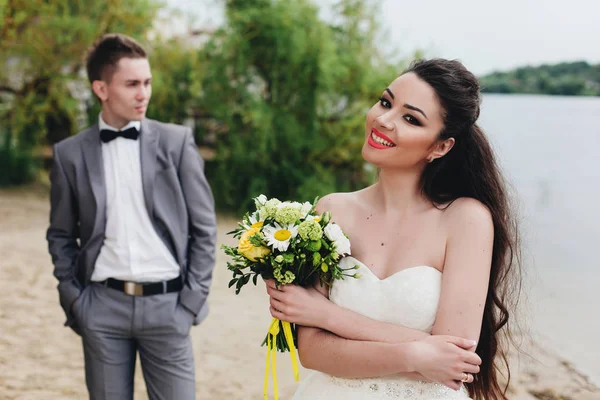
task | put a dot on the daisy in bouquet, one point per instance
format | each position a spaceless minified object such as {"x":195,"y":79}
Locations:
{"x":292,"y":244}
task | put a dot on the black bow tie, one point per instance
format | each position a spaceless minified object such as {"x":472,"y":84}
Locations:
{"x":106,"y":135}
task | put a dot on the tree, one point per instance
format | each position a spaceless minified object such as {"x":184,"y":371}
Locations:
{"x":291,"y":92}
{"x":42,"y":48}
{"x":177,"y":73}
{"x":574,"y":79}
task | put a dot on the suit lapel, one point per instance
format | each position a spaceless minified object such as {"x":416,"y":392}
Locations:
{"x":92,"y":155}
{"x":148,"y":147}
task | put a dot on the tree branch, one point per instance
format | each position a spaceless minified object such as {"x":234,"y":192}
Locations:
{"x":4,"y":88}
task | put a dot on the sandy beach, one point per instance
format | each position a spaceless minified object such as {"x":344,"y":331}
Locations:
{"x":41,"y":359}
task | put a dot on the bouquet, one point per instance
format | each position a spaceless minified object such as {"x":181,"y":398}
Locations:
{"x":292,"y":244}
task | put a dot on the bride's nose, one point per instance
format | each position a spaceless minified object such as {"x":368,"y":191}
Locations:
{"x":385,"y":121}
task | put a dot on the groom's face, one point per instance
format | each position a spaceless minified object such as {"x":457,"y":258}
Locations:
{"x":126,"y":95}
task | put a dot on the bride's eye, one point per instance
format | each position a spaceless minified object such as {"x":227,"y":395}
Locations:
{"x":412,"y":120}
{"x":384,"y":102}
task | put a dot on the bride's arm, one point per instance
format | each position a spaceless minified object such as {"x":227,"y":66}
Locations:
{"x":466,"y":269}
{"x":443,"y":359}
{"x":323,"y":351}
{"x":327,"y":352}
{"x":311,"y":307}
{"x":352,"y":325}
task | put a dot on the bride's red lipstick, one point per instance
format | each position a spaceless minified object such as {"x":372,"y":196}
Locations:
{"x":379,"y":146}
{"x":381,"y":135}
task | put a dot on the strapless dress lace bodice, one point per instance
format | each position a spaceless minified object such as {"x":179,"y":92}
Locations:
{"x":409,"y":298}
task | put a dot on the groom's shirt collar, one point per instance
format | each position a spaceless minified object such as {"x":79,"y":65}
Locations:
{"x":103,"y":125}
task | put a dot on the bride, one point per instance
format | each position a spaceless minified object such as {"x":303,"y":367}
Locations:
{"x":434,"y":243}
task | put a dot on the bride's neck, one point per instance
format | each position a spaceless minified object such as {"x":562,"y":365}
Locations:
{"x":399,"y":192}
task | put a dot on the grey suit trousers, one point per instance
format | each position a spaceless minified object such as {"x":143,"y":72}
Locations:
{"x":115,"y":326}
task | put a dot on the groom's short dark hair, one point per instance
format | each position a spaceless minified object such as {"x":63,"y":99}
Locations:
{"x":103,"y":56}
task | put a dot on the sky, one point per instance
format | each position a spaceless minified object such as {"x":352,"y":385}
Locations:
{"x":485,"y":35}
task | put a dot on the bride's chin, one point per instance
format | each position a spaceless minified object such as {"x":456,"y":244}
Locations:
{"x":383,"y":159}
{"x":370,"y":155}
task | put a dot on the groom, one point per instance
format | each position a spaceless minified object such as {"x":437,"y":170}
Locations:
{"x":132,"y":234}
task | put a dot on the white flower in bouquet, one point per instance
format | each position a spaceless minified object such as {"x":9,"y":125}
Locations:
{"x":295,"y":204}
{"x":335,"y":234}
{"x":255,"y":220}
{"x":312,"y":218}
{"x":304,"y":209}
{"x":278,"y":236}
{"x":260,"y":201}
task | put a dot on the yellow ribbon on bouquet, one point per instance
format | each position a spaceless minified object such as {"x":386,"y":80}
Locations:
{"x":272,"y":354}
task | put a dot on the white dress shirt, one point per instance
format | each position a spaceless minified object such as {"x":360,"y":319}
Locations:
{"x":132,"y":250}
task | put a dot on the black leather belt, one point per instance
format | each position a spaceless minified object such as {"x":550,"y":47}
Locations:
{"x":145,"y":289}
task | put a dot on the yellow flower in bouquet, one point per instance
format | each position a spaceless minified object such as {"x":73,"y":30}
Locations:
{"x":248,"y":249}
{"x":290,"y":243}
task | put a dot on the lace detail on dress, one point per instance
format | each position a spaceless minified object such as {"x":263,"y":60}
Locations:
{"x":401,"y":389}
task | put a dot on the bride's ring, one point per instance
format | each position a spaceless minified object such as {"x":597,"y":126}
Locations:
{"x":465,"y":378}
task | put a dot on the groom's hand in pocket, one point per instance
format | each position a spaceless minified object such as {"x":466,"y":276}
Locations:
{"x":186,"y":314}
{"x":298,"y":305}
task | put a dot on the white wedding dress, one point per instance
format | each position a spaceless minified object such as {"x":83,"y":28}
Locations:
{"x":408,"y":298}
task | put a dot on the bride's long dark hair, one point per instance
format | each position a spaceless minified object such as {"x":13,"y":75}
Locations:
{"x":470,"y":170}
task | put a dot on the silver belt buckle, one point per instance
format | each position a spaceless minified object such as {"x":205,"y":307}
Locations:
{"x":133,"y":289}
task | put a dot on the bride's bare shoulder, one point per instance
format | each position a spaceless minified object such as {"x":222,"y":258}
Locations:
{"x":339,"y":203}
{"x":331,"y":202}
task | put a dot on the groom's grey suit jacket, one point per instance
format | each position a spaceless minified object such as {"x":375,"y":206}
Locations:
{"x":177,"y":196}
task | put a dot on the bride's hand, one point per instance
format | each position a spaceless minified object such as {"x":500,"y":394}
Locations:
{"x":302,"y":306}
{"x":446,"y":359}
